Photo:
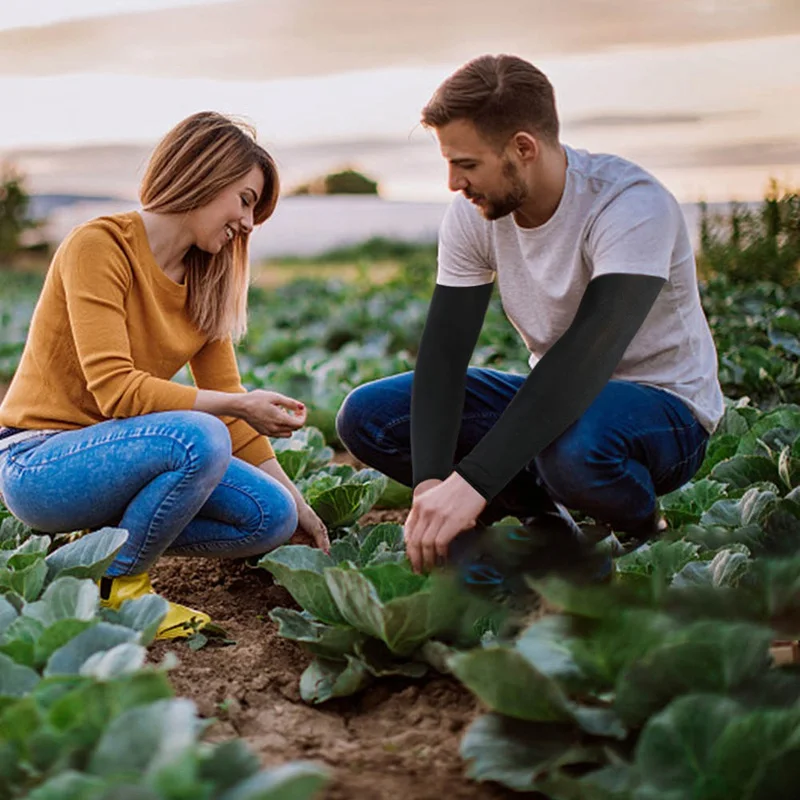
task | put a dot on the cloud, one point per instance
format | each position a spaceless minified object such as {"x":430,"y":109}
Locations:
{"x":117,"y":169}
{"x":761,"y":153}
{"x":23,"y":13}
{"x":650,"y":120}
{"x":267,"y":39}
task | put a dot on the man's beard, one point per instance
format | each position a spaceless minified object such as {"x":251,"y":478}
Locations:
{"x":496,"y":208}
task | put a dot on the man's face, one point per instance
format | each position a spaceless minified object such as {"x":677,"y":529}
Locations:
{"x":489,"y":179}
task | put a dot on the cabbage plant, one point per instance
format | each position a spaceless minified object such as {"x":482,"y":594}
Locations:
{"x":341,"y":495}
{"x":631,"y":695}
{"x":81,"y":715}
{"x":302,"y":453}
{"x":366,"y":614}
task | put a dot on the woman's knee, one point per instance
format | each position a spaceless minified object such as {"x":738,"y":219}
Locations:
{"x":206,"y":439}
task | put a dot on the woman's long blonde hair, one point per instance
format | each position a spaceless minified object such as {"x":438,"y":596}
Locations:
{"x":195,"y":161}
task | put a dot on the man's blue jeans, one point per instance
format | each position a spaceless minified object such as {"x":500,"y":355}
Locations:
{"x":168,"y":478}
{"x":633,"y":443}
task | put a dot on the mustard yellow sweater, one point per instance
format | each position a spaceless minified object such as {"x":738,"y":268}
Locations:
{"x":109,"y":332}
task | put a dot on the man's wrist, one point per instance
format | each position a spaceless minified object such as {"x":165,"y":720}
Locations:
{"x":468,"y":479}
{"x":423,"y":486}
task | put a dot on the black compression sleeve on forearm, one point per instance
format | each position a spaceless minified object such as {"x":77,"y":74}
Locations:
{"x":451,"y":331}
{"x":565,"y":382}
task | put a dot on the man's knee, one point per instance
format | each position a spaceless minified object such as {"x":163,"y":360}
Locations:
{"x":359,"y":407}
{"x":350,"y":415}
{"x":575,"y":463}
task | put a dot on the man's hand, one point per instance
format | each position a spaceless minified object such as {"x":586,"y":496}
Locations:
{"x":439,"y":512}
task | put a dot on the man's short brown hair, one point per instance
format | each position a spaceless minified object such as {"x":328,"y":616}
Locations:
{"x":500,"y":95}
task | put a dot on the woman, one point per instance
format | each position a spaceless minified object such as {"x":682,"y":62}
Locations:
{"x":96,"y":433}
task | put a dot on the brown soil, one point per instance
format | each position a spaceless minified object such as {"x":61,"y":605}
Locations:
{"x":399,"y":739}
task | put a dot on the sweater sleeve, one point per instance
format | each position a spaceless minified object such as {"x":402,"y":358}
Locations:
{"x":214,"y":367}
{"x":97,"y":278}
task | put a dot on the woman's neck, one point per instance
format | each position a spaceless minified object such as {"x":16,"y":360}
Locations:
{"x":169,"y":239}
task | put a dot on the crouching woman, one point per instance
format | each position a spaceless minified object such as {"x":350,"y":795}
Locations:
{"x":94,"y":431}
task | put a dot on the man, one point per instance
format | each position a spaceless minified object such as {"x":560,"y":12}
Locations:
{"x":596,"y":273}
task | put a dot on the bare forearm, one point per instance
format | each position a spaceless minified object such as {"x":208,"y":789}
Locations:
{"x":228,"y":404}
{"x":270,"y":413}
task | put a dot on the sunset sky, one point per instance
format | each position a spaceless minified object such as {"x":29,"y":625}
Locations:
{"x":704,"y":93}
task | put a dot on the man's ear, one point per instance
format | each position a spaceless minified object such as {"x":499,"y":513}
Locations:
{"x":525,"y":146}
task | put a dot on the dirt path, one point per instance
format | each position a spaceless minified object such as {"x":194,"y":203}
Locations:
{"x":397,"y":740}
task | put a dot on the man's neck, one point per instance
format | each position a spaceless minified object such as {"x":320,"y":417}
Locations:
{"x":545,"y":195}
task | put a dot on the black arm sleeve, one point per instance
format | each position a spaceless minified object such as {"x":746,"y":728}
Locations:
{"x":565,"y":382}
{"x":454,"y":322}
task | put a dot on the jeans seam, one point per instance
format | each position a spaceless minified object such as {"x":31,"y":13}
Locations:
{"x":254,"y":498}
{"x":165,"y":504}
{"x":220,"y":543}
{"x":679,"y":464}
{"x":673,"y":428}
{"x":83,"y":447}
{"x":382,"y":433}
{"x":644,"y":487}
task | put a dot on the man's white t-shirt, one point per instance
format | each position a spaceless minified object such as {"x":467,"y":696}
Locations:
{"x":614,"y":217}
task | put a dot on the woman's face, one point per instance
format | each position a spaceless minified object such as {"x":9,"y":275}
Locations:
{"x":229,"y":214}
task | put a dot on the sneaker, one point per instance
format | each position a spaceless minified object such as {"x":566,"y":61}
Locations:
{"x":180,"y":621}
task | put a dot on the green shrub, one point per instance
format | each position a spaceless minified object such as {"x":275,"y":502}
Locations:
{"x":754,"y":244}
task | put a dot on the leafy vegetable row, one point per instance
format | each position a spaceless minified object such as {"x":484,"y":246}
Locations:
{"x":662,"y":683}
{"x":316,"y":340}
{"x":650,"y":686}
{"x":81,"y":715}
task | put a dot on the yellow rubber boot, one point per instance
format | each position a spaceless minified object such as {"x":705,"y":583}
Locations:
{"x":180,"y":622}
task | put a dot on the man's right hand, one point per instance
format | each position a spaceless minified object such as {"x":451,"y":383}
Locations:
{"x":425,"y":485}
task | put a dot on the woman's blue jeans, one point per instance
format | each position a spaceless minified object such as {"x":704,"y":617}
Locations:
{"x":633,"y":443}
{"x":168,"y":478}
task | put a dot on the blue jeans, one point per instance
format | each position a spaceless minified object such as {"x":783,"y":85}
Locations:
{"x":633,"y":443}
{"x":167,"y":478}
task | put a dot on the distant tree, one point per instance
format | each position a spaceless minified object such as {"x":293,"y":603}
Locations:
{"x":14,"y":218}
{"x":348,"y":181}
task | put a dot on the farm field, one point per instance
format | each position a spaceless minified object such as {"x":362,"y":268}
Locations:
{"x":386,"y":679}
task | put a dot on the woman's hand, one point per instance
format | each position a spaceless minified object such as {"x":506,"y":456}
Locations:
{"x":308,"y":522}
{"x":273,"y":414}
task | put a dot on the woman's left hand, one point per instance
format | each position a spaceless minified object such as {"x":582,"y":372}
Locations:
{"x":310,"y":523}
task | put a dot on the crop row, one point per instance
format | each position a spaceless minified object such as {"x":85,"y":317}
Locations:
{"x":659,"y":683}
{"x":81,"y":715}
{"x":316,"y":340}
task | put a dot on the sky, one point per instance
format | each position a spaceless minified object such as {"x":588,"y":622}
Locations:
{"x":704,"y":93}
